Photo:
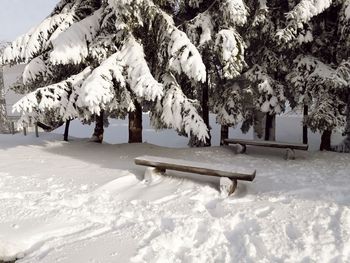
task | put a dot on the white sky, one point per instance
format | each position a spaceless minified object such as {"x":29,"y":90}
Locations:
{"x":18,"y":16}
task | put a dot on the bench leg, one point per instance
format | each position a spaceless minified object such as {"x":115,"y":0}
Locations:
{"x":244,"y":148}
{"x":290,"y":154}
{"x":150,"y":172}
{"x":160,"y":171}
{"x":227,"y":186}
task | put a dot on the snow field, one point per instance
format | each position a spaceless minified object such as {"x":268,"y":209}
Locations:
{"x":84,"y":202}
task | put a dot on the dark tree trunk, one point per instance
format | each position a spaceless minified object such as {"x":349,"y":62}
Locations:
{"x":4,"y":127}
{"x":259,"y":124}
{"x":99,"y":130}
{"x":305,"y":130}
{"x":135,"y":124}
{"x":224,"y":134}
{"x":66,"y":131}
{"x":270,"y":127}
{"x":205,"y":109}
{"x":326,"y":141}
{"x":347,"y":126}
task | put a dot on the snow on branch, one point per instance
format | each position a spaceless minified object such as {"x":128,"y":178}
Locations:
{"x":311,"y":73}
{"x":35,"y":69}
{"x":322,"y":88}
{"x":194,"y":3}
{"x":3,"y":45}
{"x":126,"y":9}
{"x":343,"y":71}
{"x":139,"y":75}
{"x":29,"y":45}
{"x":344,"y":25}
{"x":230,"y":49}
{"x":229,"y":111}
{"x":184,"y":56}
{"x":204,"y":24}
{"x":71,"y":46}
{"x":126,"y":67}
{"x":269,"y":92}
{"x":234,"y":12}
{"x":302,"y":13}
{"x":179,"y":112}
{"x":263,"y":4}
{"x":307,"y":9}
{"x":347,"y":10}
{"x":56,"y":96}
{"x":325,"y":113}
{"x":98,"y":89}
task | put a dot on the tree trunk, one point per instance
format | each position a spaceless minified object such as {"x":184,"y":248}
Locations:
{"x":99,"y":130}
{"x":135,"y":124}
{"x":305,"y":130}
{"x":258,"y":125}
{"x":224,"y":134}
{"x":205,"y":109}
{"x":264,"y":126}
{"x":326,"y":140}
{"x":347,"y":126}
{"x":66,"y":131}
{"x":270,"y":127}
{"x":4,"y":127}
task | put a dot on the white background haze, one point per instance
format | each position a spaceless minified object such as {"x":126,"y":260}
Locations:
{"x":18,"y":16}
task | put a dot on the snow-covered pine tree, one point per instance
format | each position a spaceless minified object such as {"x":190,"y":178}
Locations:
{"x":245,"y":67}
{"x":263,"y":44}
{"x":110,"y":56}
{"x":212,"y":27}
{"x":4,"y":127}
{"x":319,"y":76}
{"x":247,"y":50}
{"x":33,"y":49}
{"x":273,"y":45}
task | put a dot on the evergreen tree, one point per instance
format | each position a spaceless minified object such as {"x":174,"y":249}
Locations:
{"x":237,"y":42}
{"x":319,"y":77}
{"x":213,"y":27}
{"x":295,"y":51}
{"x":111,"y":56}
{"x":244,"y":56}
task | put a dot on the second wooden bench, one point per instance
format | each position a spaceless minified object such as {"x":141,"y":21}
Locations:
{"x":290,"y":153}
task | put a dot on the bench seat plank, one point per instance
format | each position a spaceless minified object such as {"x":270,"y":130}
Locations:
{"x":238,"y":173}
{"x":297,"y":146}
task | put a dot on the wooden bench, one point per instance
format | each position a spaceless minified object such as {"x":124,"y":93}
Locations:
{"x":290,"y":153}
{"x":228,"y":180}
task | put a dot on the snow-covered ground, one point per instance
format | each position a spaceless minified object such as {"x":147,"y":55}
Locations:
{"x":79,"y":201}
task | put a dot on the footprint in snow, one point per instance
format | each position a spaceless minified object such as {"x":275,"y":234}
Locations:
{"x":292,"y":232}
{"x":264,"y":211}
{"x":214,"y":209}
{"x":165,"y":199}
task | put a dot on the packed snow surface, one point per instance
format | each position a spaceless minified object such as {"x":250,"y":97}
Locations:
{"x":79,"y":201}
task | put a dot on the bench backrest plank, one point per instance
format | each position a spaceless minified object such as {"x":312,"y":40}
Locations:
{"x":275,"y":144}
{"x":197,"y":167}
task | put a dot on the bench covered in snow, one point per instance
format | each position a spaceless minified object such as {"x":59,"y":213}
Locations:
{"x":229,"y":174}
{"x":290,"y":154}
